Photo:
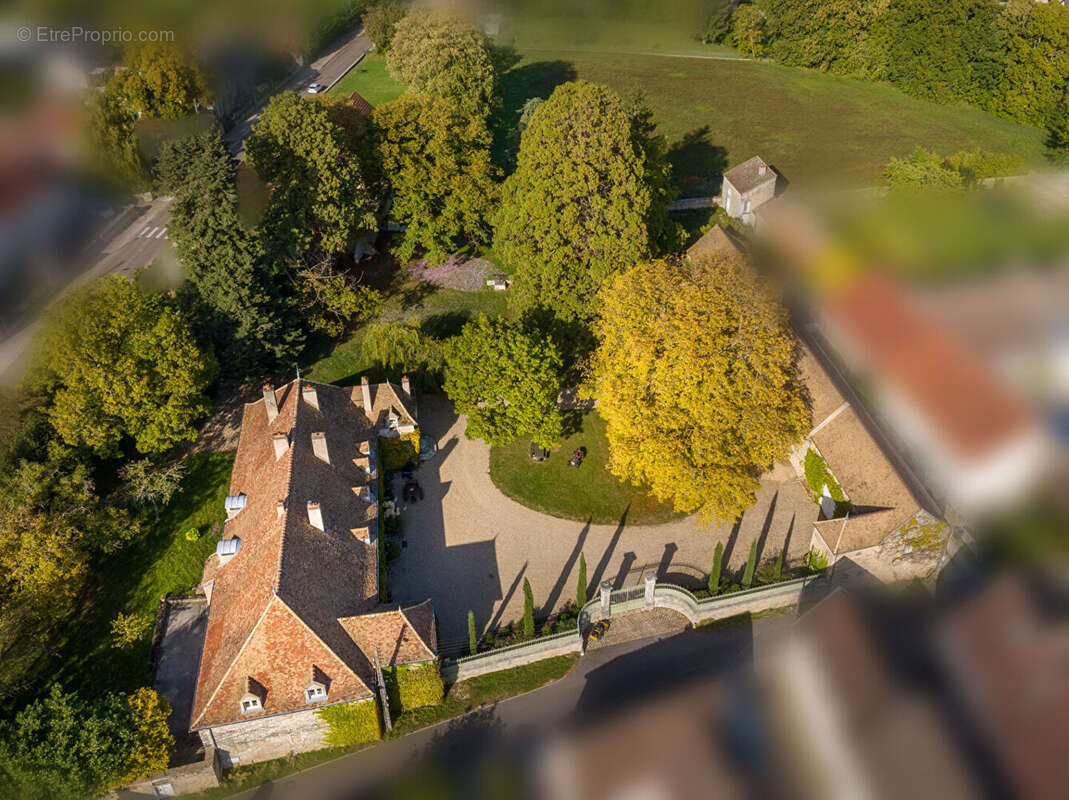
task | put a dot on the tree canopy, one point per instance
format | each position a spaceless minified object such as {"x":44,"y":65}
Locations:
{"x":576,"y":209}
{"x":380,"y":21}
{"x":696,"y":378}
{"x":506,"y":381}
{"x":320,"y":198}
{"x":62,"y":746}
{"x":437,"y":161}
{"x":160,"y":80}
{"x":435,"y":51}
{"x":121,"y":365}
{"x":248,"y":318}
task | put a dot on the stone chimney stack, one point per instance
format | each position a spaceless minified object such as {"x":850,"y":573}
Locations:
{"x":280,"y":508}
{"x":270,"y":403}
{"x":365,"y":390}
{"x":319,"y":446}
{"x":308,"y":392}
{"x":282,"y":444}
{"x":406,"y":387}
{"x":761,"y":170}
{"x":315,"y":515}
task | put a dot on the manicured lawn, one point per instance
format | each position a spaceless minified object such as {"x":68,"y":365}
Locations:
{"x":132,"y":581}
{"x":371,"y":79}
{"x":460,"y":698}
{"x":441,"y":313}
{"x":813,"y":127}
{"x":589,"y":492}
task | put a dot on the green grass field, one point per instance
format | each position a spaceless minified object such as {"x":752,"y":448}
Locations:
{"x":813,"y":127}
{"x":371,"y":79}
{"x":441,"y":313}
{"x":589,"y":492}
{"x":132,"y":581}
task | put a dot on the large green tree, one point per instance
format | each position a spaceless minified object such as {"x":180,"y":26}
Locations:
{"x":577,"y":208}
{"x":159,"y":80}
{"x":696,"y":378}
{"x":62,"y":746}
{"x":1035,"y":76}
{"x":120,"y":365}
{"x":506,"y":381}
{"x":437,"y":161}
{"x":830,"y":35}
{"x":380,"y":21}
{"x":436,"y":51}
{"x":320,"y":198}
{"x":248,"y":317}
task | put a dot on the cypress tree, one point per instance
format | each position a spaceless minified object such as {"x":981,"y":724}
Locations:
{"x":580,"y":588}
{"x":528,"y":610}
{"x":473,"y":640}
{"x":751,"y":562}
{"x":714,"y":574}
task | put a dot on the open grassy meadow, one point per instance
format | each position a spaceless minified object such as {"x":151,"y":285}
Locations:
{"x":371,"y":79}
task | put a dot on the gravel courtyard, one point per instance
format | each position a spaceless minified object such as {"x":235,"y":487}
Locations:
{"x":470,"y":547}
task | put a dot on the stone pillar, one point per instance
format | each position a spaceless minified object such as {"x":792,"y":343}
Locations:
{"x":606,"y":590}
{"x":651,"y":581}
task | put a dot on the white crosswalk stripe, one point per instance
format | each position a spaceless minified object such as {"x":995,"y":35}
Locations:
{"x":143,"y":232}
{"x":162,"y":233}
{"x":152,"y":232}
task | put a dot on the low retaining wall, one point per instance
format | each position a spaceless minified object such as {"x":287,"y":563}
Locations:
{"x":515,"y":655}
{"x":204,"y":774}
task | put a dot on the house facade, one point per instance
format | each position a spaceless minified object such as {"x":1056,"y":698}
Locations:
{"x":747,"y":187}
{"x":294,"y":618}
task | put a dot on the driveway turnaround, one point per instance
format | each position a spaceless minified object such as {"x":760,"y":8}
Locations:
{"x":469,"y":547}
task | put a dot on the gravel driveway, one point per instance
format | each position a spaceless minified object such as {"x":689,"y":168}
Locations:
{"x":470,"y":547}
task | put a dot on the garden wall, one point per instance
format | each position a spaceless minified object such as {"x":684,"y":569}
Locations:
{"x":512,"y":656}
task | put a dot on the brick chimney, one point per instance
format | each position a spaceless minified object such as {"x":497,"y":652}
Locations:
{"x":315,"y":515}
{"x":406,"y":387}
{"x":270,"y":403}
{"x":282,"y":444}
{"x":308,"y":392}
{"x":319,"y":446}
{"x":365,"y":391}
{"x":762,"y":169}
{"x":280,"y":508}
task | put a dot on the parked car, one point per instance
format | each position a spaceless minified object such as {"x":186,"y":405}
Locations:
{"x":599,"y":630}
{"x":427,"y":448}
{"x":316,"y":88}
{"x":537,"y":452}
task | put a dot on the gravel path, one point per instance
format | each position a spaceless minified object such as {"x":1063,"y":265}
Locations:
{"x":470,"y":547}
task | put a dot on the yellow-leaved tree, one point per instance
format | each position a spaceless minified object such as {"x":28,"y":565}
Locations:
{"x":696,"y":377}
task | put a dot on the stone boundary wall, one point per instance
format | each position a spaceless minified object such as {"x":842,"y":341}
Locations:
{"x":636,"y":598}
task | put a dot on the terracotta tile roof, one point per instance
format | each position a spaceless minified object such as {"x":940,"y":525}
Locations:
{"x":971,"y":412}
{"x":747,"y":176}
{"x":401,"y":635}
{"x":277,"y":605}
{"x":357,"y":101}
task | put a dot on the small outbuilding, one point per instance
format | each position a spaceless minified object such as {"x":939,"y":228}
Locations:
{"x":746,"y":187}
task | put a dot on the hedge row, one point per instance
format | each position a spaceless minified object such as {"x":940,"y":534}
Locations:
{"x":412,"y":686}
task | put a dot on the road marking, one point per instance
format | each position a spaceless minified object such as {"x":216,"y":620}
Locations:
{"x":143,"y":232}
{"x":162,"y":233}
{"x":152,"y":232}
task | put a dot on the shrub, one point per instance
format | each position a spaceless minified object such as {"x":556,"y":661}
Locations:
{"x":351,"y":723}
{"x":816,"y":561}
{"x":528,"y":610}
{"x":771,"y":571}
{"x":418,"y":685}
{"x":192,"y":535}
{"x":400,"y":452}
{"x":817,"y":475}
{"x":126,"y":629}
{"x":580,"y":587}
{"x":393,"y":550}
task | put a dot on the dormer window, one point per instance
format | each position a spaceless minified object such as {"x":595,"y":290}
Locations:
{"x":250,"y":704}
{"x":316,"y":693}
{"x":392,"y":422}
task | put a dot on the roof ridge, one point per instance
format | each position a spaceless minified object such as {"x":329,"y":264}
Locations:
{"x":415,"y":630}
{"x":286,"y":496}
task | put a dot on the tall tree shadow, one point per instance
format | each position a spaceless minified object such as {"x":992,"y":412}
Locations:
{"x":517,"y":86}
{"x":573,"y":557}
{"x":603,"y":564}
{"x":697,"y":163}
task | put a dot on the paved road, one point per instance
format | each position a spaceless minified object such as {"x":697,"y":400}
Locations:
{"x":606,"y":680}
{"x":466,"y":535}
{"x":327,"y":70}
